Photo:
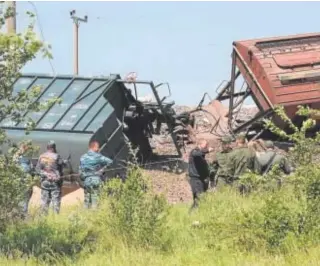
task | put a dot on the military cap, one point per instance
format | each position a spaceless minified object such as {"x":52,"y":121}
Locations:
{"x":226,"y":139}
{"x":51,"y":144}
{"x":268,"y":144}
{"x":241,"y":136}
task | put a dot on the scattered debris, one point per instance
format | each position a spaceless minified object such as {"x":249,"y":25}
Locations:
{"x":211,"y":123}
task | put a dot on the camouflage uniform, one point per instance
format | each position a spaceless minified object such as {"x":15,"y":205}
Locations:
{"x":27,"y":167}
{"x":91,"y":164}
{"x":49,"y":167}
{"x":221,"y":169}
{"x":241,"y":159}
{"x":270,"y":157}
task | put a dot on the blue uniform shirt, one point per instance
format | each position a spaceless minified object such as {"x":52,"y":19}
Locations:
{"x":25,"y":163}
{"x":91,"y":163}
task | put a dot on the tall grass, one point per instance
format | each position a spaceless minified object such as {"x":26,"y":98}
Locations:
{"x":135,"y":227}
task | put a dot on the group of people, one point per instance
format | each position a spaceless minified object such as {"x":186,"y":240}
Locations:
{"x":230,"y":163}
{"x":49,"y":168}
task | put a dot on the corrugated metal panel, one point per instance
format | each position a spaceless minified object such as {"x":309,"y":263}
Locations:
{"x":85,"y":113}
{"x":81,"y":107}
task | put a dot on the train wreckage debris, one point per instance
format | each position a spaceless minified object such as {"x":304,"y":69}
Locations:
{"x":281,"y":71}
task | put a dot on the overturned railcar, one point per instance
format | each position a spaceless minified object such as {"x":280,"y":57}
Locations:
{"x":281,"y":71}
{"x":92,"y":108}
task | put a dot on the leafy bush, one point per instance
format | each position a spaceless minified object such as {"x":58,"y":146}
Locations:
{"x":16,"y":51}
{"x":47,"y":238}
{"x":134,"y":212}
{"x":274,"y":224}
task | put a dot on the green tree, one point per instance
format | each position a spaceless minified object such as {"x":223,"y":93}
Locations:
{"x":16,"y":50}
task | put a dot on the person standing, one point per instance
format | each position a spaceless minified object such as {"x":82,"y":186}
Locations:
{"x":241,"y":157}
{"x":221,"y":166}
{"x":24,"y":162}
{"x":49,"y":167}
{"x":91,"y":169}
{"x":198,"y":171}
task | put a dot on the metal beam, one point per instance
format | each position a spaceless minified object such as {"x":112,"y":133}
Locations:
{"x":49,"y":130}
{"x":260,"y":115}
{"x":91,"y":92}
{"x":95,"y":116}
{"x":154,"y":90}
{"x":60,"y":95}
{"x":232,"y":85}
{"x":237,"y":94}
{"x":83,"y":115}
{"x":46,"y":88}
{"x":29,"y":86}
{"x":136,"y":81}
{"x":252,"y":76}
{"x":70,"y":106}
{"x":226,"y":87}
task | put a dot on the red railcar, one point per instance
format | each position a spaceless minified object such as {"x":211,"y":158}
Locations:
{"x":278,"y":71}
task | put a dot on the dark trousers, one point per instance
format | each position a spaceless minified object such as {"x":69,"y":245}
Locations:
{"x":198,"y":186}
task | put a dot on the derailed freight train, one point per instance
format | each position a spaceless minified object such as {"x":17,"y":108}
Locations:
{"x":279,"y":71}
{"x":103,"y":109}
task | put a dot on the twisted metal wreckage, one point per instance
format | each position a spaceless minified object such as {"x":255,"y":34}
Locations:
{"x":276,"y":71}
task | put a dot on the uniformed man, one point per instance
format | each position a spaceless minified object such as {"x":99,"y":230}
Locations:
{"x":241,"y":157}
{"x":49,"y":167}
{"x":24,"y":162}
{"x":221,"y":169}
{"x":266,"y":160}
{"x":91,"y":169}
{"x":198,"y":171}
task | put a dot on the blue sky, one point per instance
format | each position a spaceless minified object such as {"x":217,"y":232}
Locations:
{"x":187,"y":44}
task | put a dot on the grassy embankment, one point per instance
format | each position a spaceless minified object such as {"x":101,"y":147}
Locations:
{"x":267,"y":227}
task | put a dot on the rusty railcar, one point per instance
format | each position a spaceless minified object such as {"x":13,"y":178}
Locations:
{"x":278,"y":71}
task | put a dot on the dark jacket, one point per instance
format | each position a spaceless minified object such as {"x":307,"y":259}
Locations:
{"x":198,"y":166}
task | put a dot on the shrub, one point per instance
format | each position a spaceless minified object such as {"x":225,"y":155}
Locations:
{"x":134,"y":212}
{"x":16,"y":51}
{"x":47,"y":238}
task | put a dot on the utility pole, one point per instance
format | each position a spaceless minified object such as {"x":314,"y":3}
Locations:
{"x":11,"y":21}
{"x":76,"y":22}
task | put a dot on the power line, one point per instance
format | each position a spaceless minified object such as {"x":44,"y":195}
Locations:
{"x":42,"y":33}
